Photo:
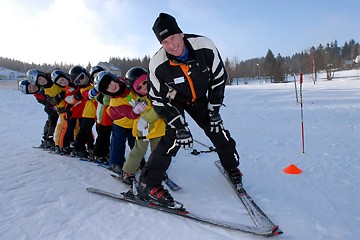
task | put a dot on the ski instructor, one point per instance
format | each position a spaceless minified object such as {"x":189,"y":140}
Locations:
{"x":186,"y":74}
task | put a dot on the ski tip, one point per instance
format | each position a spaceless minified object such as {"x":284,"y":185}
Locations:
{"x":276,"y":231}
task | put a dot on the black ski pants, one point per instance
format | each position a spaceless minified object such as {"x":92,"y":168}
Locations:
{"x":160,"y":159}
{"x":85,"y":135}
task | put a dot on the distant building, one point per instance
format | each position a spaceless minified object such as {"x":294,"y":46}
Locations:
{"x":7,"y":74}
{"x":357,"y":59}
{"x":111,"y":68}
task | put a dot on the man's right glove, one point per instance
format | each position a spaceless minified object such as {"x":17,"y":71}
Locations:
{"x":184,"y":138}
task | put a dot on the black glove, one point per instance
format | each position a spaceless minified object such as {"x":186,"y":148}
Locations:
{"x":216,"y":123}
{"x":184,"y":138}
{"x":100,"y":98}
{"x":78,"y":95}
{"x":60,"y":96}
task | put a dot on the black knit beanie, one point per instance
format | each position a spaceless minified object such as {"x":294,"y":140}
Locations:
{"x":165,"y":25}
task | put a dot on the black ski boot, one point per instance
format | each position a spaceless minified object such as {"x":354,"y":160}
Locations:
{"x":117,"y":168}
{"x":66,"y":150}
{"x":80,"y":154}
{"x":235,"y":175}
{"x":57,"y":150}
{"x":156,"y":194}
{"x":49,"y":143}
{"x":128,"y":178}
{"x":103,"y":160}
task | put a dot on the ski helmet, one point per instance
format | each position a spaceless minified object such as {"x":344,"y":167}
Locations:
{"x":58,"y":73}
{"x":95,"y":69}
{"x":135,"y":74}
{"x":23,"y":86}
{"x":103,"y":80}
{"x":78,"y":73}
{"x":34,"y":74}
{"x":134,"y":77}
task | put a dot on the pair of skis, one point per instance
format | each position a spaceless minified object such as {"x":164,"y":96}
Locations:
{"x":263,"y":225}
{"x":171,"y":184}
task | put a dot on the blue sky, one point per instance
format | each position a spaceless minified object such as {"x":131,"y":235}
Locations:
{"x":82,"y":31}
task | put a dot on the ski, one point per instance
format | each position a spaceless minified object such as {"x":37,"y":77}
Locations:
{"x":39,"y":147}
{"x":258,"y":216}
{"x":105,"y":165}
{"x":131,"y":198}
{"x":170,"y":183}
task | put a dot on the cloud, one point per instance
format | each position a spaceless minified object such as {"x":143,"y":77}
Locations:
{"x":68,"y":31}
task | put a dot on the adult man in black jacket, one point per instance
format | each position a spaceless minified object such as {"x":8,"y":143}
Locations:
{"x":186,"y":74}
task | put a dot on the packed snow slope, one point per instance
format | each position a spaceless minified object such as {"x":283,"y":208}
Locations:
{"x":43,"y":196}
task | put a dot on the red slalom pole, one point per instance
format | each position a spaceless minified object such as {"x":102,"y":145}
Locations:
{"x":302,"y":115}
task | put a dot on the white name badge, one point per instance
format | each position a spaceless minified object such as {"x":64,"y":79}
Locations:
{"x":179,"y":80}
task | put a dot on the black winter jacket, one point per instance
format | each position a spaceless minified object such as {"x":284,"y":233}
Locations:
{"x":202,"y":75}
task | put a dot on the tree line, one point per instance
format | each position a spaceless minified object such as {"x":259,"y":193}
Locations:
{"x":275,"y":68}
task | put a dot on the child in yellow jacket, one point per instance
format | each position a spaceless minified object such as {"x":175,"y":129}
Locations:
{"x":147,"y":128}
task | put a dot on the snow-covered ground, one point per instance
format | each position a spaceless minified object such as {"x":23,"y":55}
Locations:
{"x":43,"y":196}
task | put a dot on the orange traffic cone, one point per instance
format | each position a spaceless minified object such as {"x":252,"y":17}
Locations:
{"x":292,"y":169}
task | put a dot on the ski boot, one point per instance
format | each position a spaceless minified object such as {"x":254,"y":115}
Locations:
{"x":49,"y":143}
{"x":57,"y":150}
{"x":128,"y":178}
{"x":156,"y":194}
{"x":80,"y":154}
{"x":102,"y":160}
{"x":116,"y":168}
{"x":235,"y":175}
{"x":66,"y":150}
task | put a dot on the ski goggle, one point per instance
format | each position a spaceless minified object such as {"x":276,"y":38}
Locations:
{"x":79,"y":79}
{"x":141,"y":85}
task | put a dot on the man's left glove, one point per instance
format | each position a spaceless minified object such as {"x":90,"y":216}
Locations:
{"x":216,"y":123}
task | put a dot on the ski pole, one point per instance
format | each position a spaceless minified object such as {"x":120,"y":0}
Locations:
{"x":196,"y":152}
{"x":302,"y":114}
{"x":202,"y":144}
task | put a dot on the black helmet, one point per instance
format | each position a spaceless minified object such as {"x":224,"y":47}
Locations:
{"x":78,"y":73}
{"x":95,"y":69}
{"x":134,"y":74}
{"x":102,"y":81}
{"x":34,"y":74}
{"x":58,"y":73}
